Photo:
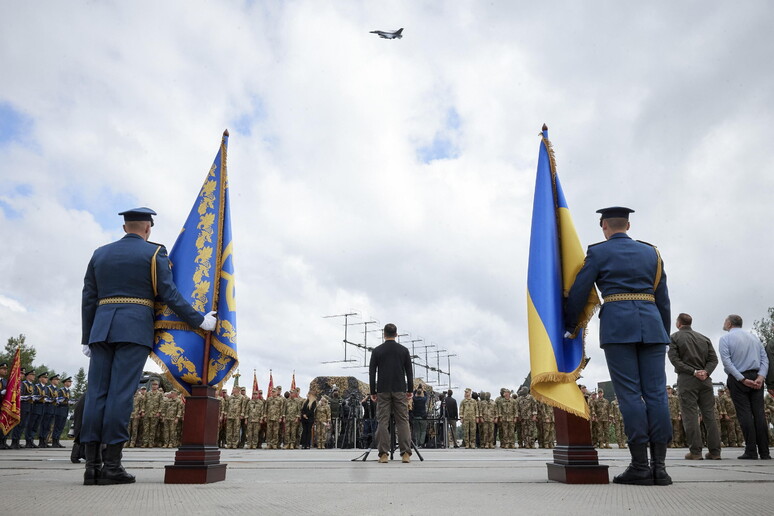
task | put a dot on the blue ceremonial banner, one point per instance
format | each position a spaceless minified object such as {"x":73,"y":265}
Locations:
{"x":555,"y":257}
{"x":203,"y":269}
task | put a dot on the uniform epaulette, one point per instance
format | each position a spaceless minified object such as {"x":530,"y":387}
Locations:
{"x":602,"y":242}
{"x":646,"y":243}
{"x":156,"y":243}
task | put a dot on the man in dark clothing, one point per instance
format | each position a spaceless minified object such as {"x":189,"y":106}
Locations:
{"x":420,"y":415}
{"x":451,"y":417}
{"x":694,"y":359}
{"x":391,"y":392}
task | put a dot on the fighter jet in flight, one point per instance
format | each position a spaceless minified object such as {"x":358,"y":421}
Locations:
{"x":387,"y":34}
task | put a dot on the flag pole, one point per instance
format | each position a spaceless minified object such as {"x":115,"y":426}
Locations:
{"x":197,"y":460}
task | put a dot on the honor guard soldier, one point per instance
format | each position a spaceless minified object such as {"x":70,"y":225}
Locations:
{"x":61,"y":410}
{"x":122,"y":282}
{"x":634,"y":333}
{"x":49,"y":411}
{"x":27,"y":391}
{"x":38,"y":405}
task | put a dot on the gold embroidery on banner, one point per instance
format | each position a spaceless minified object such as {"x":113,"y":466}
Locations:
{"x":165,"y":344}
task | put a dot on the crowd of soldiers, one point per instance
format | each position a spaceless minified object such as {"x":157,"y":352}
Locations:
{"x":157,"y":418}
{"x":45,"y":407}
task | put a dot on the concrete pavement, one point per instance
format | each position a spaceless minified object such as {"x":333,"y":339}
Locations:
{"x":328,"y":482}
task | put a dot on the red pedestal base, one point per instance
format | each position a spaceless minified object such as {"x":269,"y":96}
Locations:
{"x":197,"y":461}
{"x":575,"y":459}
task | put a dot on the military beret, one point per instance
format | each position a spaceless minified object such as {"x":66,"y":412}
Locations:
{"x":138,"y":214}
{"x":614,"y":212}
{"x":44,"y":374}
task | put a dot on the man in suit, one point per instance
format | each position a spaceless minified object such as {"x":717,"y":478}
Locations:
{"x":694,"y":359}
{"x":391,"y":392}
{"x":121,"y":283}
{"x":634,"y":333}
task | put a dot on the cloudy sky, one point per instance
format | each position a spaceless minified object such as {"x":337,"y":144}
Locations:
{"x":389,"y":178}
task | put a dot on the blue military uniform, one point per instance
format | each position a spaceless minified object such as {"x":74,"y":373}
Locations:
{"x":27,"y":391}
{"x":38,"y":407}
{"x":634,"y":328}
{"x":122,"y":280}
{"x":49,"y":410}
{"x":61,"y":412}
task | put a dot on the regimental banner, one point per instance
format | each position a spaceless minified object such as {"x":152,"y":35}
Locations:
{"x":203,"y":269}
{"x":555,"y":257}
{"x":10,"y":413}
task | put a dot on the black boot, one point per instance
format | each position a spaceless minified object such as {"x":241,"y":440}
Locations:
{"x":657,"y":457}
{"x":30,"y":444}
{"x":15,"y":445}
{"x":638,"y":473}
{"x":75,"y":453}
{"x":93,"y":471}
{"x":4,"y":444}
{"x":57,"y":444}
{"x":114,"y":472}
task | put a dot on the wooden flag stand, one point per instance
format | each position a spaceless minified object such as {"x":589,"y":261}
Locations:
{"x":197,"y":461}
{"x":575,"y":458}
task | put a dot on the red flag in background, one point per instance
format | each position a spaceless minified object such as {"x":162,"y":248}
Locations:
{"x":293,"y":383}
{"x":255,"y":383}
{"x":271,"y":385}
{"x":10,"y":414}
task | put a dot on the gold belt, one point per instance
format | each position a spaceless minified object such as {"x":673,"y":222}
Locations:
{"x":629,"y":297}
{"x":132,"y":300}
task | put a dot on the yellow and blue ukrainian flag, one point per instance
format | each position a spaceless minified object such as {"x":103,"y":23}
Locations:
{"x":555,"y":257}
{"x":203,"y":269}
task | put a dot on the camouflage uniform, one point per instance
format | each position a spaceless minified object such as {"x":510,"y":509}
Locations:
{"x":235,"y":413}
{"x":469,"y":415}
{"x":275,"y":410}
{"x":498,"y":431}
{"x":488,"y":414}
{"x":173,"y":413}
{"x":728,"y":422}
{"x":768,"y":407}
{"x":322,"y":421}
{"x":674,"y":415}
{"x":507,"y":413}
{"x":256,"y":415}
{"x":617,"y":419}
{"x":136,"y":418}
{"x":223,"y":405}
{"x":292,"y":420}
{"x":545,"y":425}
{"x":527,"y":417}
{"x":600,"y":421}
{"x":151,"y":417}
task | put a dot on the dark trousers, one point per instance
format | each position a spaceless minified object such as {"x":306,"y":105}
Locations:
{"x":696,"y":397}
{"x":33,"y":428}
{"x":306,"y":432}
{"x":47,"y":421}
{"x":639,"y":378}
{"x":26,"y":412}
{"x":750,"y":413}
{"x":114,"y":372}
{"x":60,"y":420}
{"x":395,"y":404}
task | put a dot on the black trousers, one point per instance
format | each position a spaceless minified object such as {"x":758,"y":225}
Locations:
{"x":750,"y":413}
{"x":306,"y":432}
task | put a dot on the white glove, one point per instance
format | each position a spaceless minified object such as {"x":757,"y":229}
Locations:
{"x":2,"y":393}
{"x":86,"y":350}
{"x":567,"y":335}
{"x":208,"y":324}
